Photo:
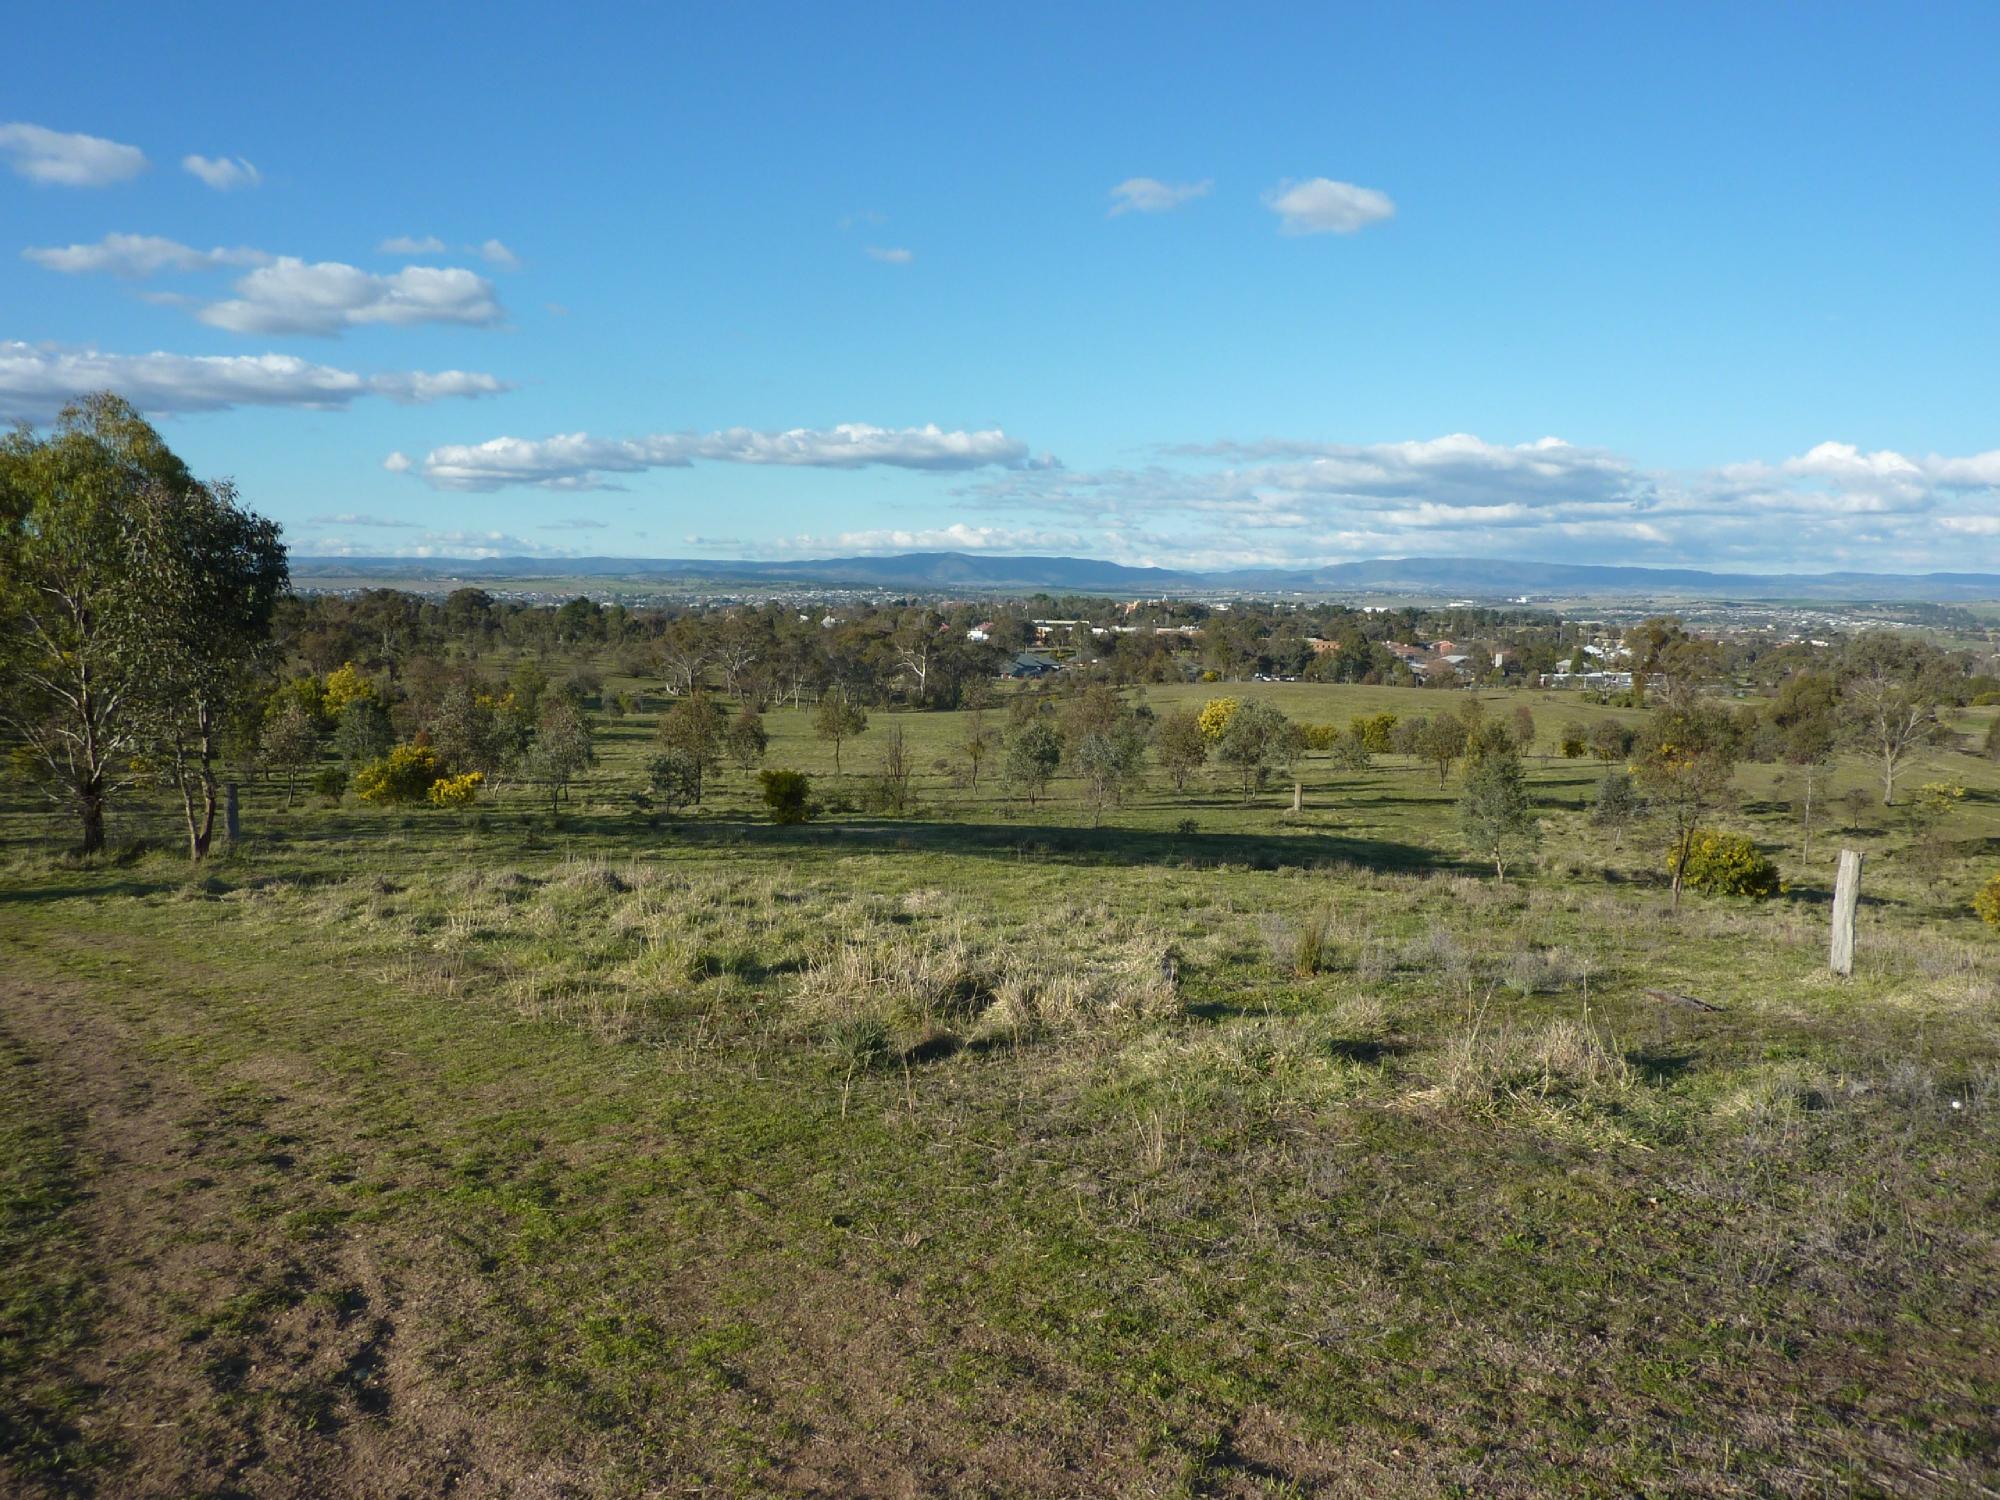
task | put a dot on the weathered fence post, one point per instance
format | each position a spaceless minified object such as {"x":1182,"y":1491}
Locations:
{"x":1846,"y":894}
{"x":231,"y":823}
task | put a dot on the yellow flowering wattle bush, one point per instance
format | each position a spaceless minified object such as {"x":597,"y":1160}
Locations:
{"x":457,"y":791}
{"x":405,"y":774}
{"x":1725,"y":864}
{"x":1215,"y":716}
{"x":1986,"y":901}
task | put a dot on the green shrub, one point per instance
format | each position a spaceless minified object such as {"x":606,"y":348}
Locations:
{"x":787,"y":795}
{"x":330,"y":782}
{"x":1726,"y":864}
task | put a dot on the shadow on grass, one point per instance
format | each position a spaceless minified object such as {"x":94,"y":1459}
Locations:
{"x":1098,"y":846}
{"x":23,"y":895}
{"x":1660,"y":1068}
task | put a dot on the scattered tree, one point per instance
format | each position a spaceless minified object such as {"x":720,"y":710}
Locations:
{"x":1181,"y":746}
{"x":1524,"y":728}
{"x":1686,"y":759}
{"x":1495,"y":816}
{"x":1034,"y":751}
{"x":362,"y":731}
{"x":745,"y":740}
{"x":1617,"y":805}
{"x":1255,"y":738}
{"x":691,"y":728}
{"x":1890,"y":692}
{"x":1442,"y":741}
{"x":289,"y":743}
{"x":132,"y":601}
{"x":837,"y":719}
{"x":674,"y":778}
{"x":1108,"y":759}
{"x":563,"y":747}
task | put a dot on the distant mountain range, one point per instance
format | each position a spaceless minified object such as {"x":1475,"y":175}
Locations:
{"x":1480,"y":578}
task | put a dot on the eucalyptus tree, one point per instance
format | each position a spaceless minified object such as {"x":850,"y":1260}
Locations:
{"x":1890,"y":690}
{"x":208,"y":575}
{"x":133,"y":602}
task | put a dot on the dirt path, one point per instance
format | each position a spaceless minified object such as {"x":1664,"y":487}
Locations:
{"x":239,"y":1349}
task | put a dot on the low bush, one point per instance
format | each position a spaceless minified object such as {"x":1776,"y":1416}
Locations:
{"x":787,"y":795}
{"x":404,"y":775}
{"x":456,"y":791}
{"x":1987,"y":902}
{"x":1725,"y":864}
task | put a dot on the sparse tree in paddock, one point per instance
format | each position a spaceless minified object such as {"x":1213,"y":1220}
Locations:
{"x":1442,"y":741}
{"x":1616,"y":805}
{"x":1524,"y":729}
{"x":1495,"y":815}
{"x":745,"y":740}
{"x":838,"y":719}
{"x":563,"y":746}
{"x":1686,"y":759}
{"x":691,"y":729}
{"x":69,"y":601}
{"x":1034,"y":751}
{"x":1181,"y":746}
{"x":1890,"y":692}
{"x":288,"y":742}
{"x":1108,"y":759}
{"x":206,"y":575}
{"x":1254,"y":740}
{"x":362,"y":731}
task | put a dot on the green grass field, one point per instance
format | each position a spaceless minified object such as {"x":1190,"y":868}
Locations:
{"x":1214,"y":1151}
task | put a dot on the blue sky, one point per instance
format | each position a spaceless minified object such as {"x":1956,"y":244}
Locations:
{"x":1229,"y":285}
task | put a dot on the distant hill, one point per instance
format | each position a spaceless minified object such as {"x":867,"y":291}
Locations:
{"x":1482,"y":578}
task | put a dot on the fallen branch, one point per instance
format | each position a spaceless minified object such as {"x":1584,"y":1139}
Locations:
{"x":1676,"y":999}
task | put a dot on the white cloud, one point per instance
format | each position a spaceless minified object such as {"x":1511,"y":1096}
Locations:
{"x":496,"y":254}
{"x":363,"y":520}
{"x":957,"y":537}
{"x":293,"y":296}
{"x":575,"y":523}
{"x":1149,"y":195}
{"x":439,"y":544}
{"x":139,"y":255}
{"x":1299,"y":503}
{"x":576,"y":461}
{"x":53,"y":156}
{"x":37,"y":381}
{"x":1320,"y":205}
{"x":397,"y":462}
{"x":406,"y":244}
{"x":891,"y":255}
{"x":223,"y":173}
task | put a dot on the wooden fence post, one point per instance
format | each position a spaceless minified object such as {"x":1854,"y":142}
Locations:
{"x":1846,"y":894}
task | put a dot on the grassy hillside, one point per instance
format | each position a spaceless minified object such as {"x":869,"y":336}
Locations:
{"x":1215,"y":1151}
